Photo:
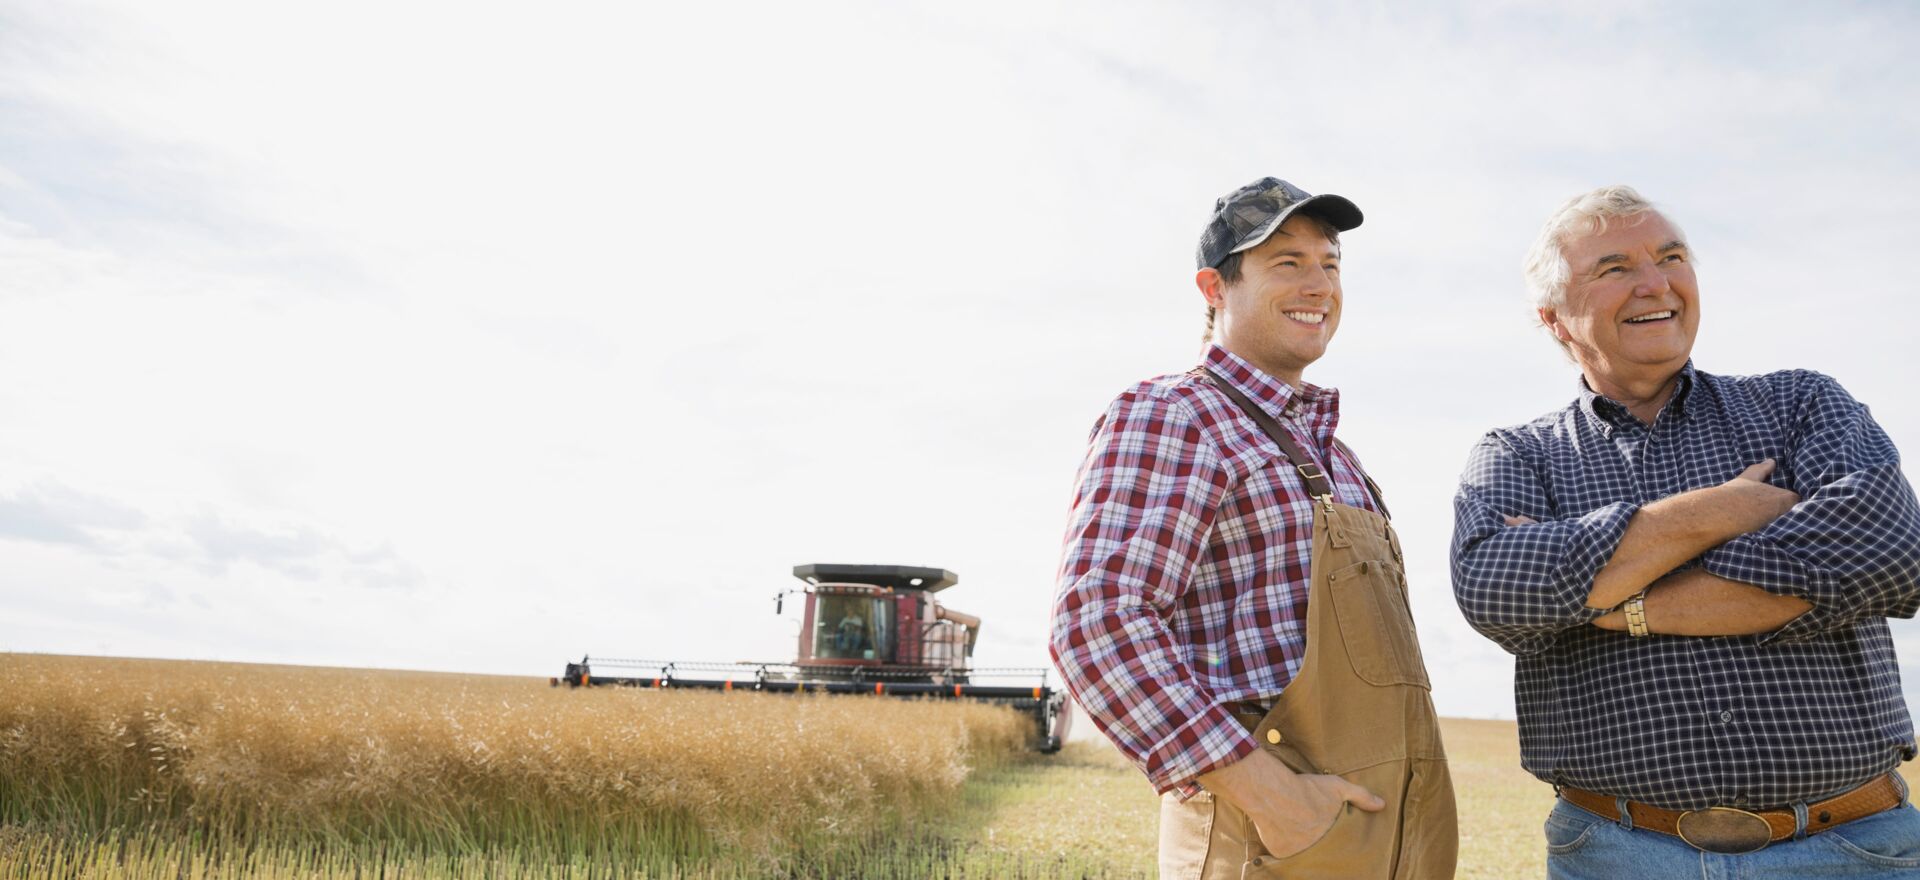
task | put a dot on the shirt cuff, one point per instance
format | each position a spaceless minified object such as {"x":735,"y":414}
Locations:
{"x":1752,"y":559}
{"x":1595,"y":537}
{"x":1209,"y":741}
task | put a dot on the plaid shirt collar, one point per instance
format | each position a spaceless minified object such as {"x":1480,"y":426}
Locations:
{"x":1280,"y":400}
{"x":1611,"y":415}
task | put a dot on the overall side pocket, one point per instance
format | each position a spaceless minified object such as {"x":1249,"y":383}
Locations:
{"x":1186,"y":835}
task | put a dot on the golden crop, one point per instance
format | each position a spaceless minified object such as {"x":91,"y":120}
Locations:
{"x":470,"y":763}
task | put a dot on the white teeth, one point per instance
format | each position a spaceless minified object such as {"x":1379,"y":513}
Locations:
{"x":1653,"y":317}
{"x":1307,"y":317}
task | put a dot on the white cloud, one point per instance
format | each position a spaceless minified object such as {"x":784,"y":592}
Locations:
{"x":52,"y":513}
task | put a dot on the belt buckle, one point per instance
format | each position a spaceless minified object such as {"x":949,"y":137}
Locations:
{"x":1724,"y":830}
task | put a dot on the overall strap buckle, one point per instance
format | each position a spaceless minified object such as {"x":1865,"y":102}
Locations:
{"x":1315,"y":478}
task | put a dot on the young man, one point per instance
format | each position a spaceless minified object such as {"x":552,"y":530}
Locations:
{"x":1694,"y":572}
{"x":1232,"y":610}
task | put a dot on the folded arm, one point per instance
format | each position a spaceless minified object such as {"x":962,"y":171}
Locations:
{"x":1851,"y":548}
{"x":1672,"y":531}
{"x":1523,"y":574}
{"x":1696,"y":602}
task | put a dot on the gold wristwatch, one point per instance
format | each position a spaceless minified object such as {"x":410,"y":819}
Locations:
{"x":1636,"y":609}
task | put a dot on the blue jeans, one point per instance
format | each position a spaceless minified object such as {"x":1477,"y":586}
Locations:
{"x":1583,"y":846}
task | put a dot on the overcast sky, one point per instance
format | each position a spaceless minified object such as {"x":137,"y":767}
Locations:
{"x":474,"y":337}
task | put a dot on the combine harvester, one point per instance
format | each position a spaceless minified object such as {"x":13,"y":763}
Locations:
{"x":868,"y":629}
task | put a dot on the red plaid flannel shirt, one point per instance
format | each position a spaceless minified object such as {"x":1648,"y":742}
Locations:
{"x":1183,"y":586}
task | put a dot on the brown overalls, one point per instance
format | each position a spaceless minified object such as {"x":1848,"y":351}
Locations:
{"x":1359,"y":708}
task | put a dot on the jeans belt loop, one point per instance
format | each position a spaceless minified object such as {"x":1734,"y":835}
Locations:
{"x":1626,"y":815}
{"x":1799,"y":820}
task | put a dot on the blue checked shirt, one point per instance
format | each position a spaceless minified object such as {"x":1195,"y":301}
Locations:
{"x":1806,"y":711}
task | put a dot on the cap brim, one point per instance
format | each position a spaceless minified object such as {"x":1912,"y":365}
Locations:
{"x":1343,"y":214}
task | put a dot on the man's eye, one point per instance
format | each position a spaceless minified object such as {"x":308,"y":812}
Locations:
{"x":1612,"y":269}
{"x":1333,"y":267}
{"x":1675,"y":258}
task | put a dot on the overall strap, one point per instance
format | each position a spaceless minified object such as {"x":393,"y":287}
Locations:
{"x":1379,"y":500}
{"x":1317,"y":483}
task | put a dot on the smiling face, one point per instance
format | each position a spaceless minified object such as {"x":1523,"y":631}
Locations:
{"x":1282,"y":312}
{"x":1631,"y":307}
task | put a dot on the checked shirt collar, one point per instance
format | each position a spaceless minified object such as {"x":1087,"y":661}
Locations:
{"x":1611,"y":416}
{"x":1308,"y":403}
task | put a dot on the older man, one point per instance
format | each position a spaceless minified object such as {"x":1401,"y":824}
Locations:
{"x":1232,"y":609}
{"x":1694,"y":572}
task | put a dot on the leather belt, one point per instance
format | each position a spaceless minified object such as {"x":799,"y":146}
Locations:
{"x":1731,"y":831}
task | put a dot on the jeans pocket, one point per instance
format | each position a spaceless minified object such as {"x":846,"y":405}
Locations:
{"x":1890,"y":838}
{"x":1569,"y":828}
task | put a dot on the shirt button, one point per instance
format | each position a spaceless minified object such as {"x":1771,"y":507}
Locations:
{"x":1725,"y":716}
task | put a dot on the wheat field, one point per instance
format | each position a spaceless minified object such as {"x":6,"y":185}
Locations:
{"x":116,"y":768}
{"x":342,"y":760}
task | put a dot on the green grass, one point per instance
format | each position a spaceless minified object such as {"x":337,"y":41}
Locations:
{"x":1081,"y":813}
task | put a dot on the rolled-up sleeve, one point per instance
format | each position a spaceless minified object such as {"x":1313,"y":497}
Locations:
{"x":1521,"y":585}
{"x":1147,"y":496}
{"x":1851,"y":547}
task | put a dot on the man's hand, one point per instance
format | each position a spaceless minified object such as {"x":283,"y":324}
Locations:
{"x":1290,"y":811}
{"x":1758,"y":503}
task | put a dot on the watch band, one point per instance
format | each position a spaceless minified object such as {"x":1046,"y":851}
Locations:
{"x":1636,"y":609}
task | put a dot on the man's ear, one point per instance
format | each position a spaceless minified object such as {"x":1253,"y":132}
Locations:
{"x":1212,"y":286}
{"x":1552,"y":321}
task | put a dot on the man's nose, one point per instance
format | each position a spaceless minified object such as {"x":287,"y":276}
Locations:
{"x":1650,"y":281}
{"x":1318,"y":282}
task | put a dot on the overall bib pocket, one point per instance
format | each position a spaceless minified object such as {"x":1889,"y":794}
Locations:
{"x":1370,"y":603}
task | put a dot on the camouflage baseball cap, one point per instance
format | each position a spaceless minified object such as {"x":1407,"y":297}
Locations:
{"x":1245,"y":217}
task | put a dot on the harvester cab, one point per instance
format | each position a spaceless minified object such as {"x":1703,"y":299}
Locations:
{"x":866,"y":629}
{"x":882,"y":618}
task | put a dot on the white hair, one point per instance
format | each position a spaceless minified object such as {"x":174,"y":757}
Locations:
{"x":1588,"y":213}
